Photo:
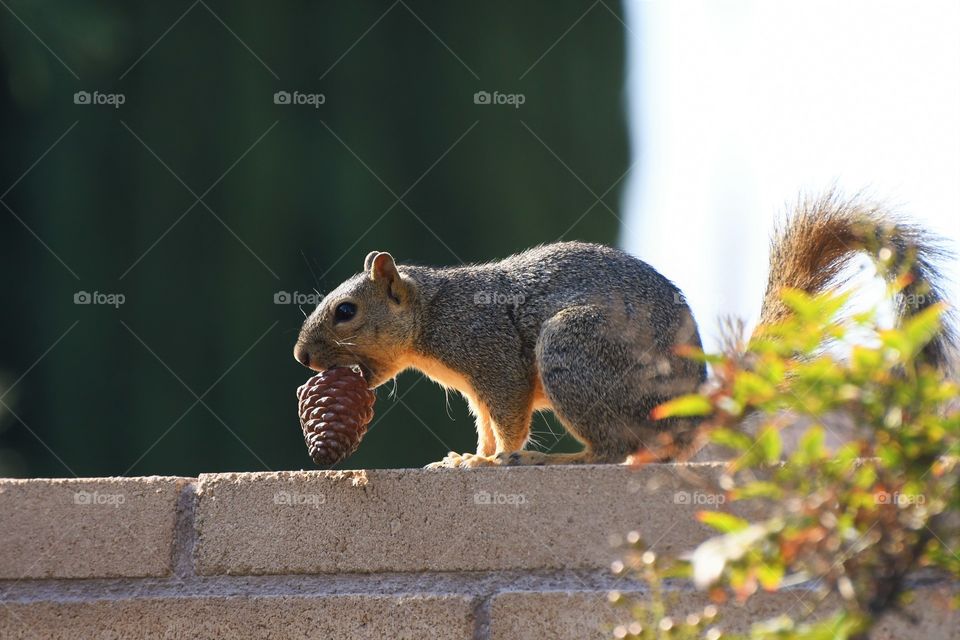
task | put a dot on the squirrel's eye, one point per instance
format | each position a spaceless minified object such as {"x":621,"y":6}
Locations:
{"x":344,"y":311}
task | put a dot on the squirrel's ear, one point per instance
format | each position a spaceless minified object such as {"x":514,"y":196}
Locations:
{"x":380,"y":265}
{"x":384,"y":270}
{"x":368,"y":261}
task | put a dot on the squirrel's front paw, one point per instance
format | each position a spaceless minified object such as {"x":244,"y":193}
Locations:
{"x":464,"y":461}
{"x":446,"y":463}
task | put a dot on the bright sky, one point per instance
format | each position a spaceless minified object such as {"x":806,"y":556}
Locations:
{"x":737,"y":106}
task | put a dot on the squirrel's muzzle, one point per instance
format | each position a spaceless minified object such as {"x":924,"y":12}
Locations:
{"x":301,"y":354}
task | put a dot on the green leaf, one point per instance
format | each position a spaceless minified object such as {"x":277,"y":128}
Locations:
{"x":689,"y":405}
{"x":722,"y":522}
{"x":820,"y":308}
{"x":847,"y":454}
{"x":770,"y":575}
{"x":732,"y":439}
{"x":891,"y":456}
{"x":757,"y":489}
{"x":922,"y":327}
{"x":749,"y":388}
{"x":770,"y":444}
{"x":897,"y":341}
{"x":799,"y":302}
{"x":865,"y":359}
{"x":840,"y":626}
{"x":699,"y":355}
{"x":865,"y":476}
{"x":810,"y":448}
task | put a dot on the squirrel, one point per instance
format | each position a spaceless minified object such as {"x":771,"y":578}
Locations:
{"x":584,"y":330}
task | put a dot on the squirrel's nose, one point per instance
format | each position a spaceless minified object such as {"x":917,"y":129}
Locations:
{"x":302,"y":355}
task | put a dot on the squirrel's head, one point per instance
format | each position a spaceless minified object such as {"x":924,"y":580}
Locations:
{"x":369,"y":320}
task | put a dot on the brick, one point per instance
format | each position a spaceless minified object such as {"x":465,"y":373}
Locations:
{"x":72,"y":528}
{"x":265,"y":617}
{"x":588,"y":614}
{"x":445,"y":520}
{"x":556,"y":615}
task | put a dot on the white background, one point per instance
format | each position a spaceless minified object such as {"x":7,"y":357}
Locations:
{"x":737,"y":107}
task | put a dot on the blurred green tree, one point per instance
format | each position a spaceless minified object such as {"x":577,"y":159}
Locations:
{"x":199,"y":199}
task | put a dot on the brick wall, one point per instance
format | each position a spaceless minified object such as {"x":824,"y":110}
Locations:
{"x":487,"y":553}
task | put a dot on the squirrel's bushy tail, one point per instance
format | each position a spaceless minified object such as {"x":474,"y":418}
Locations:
{"x":815,"y":245}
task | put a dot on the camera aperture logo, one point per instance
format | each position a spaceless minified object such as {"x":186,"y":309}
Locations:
{"x":295,"y":297}
{"x":297,"y":98}
{"x":512,"y":99}
{"x":97,"y":98}
{"x":294,"y":499}
{"x":110,"y":299}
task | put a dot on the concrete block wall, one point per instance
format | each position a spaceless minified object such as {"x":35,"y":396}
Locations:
{"x":485,"y":553}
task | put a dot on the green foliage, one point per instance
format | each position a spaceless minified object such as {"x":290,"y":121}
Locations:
{"x":848,"y":523}
{"x":653,"y":618}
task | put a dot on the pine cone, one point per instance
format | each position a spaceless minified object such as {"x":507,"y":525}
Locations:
{"x":335,"y":408}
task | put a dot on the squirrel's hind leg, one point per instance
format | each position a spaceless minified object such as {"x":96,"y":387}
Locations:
{"x":602,"y":376}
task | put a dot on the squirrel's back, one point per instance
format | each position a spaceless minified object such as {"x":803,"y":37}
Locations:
{"x":560,"y":274}
{"x":518,"y":294}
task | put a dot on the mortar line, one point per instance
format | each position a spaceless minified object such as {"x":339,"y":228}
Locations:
{"x":482,"y":610}
{"x":474,"y":584}
{"x":429,"y":583}
{"x":185,"y":533}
